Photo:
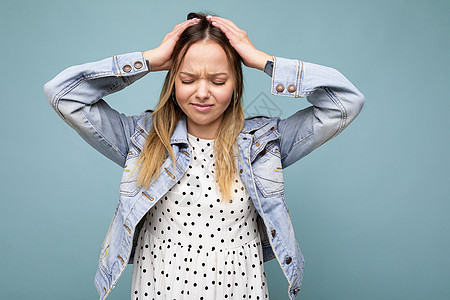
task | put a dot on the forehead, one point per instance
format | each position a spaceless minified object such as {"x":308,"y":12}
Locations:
{"x":205,"y":57}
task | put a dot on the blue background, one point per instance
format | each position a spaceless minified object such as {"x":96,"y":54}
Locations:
{"x":370,"y":208}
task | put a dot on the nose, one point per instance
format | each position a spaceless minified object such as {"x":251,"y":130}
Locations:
{"x":202,"y":92}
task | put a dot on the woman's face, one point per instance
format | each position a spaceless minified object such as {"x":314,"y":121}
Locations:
{"x":203,"y":88}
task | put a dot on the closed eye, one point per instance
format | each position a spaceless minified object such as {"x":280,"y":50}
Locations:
{"x":189,"y":82}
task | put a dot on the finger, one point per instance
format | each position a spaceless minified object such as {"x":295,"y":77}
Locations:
{"x":186,"y":22}
{"x":225,"y":21}
{"x":182,"y":26}
{"x":229,"y":31}
{"x":185,"y":25}
{"x":236,"y":32}
{"x":179,"y":28}
{"x":235,"y":36}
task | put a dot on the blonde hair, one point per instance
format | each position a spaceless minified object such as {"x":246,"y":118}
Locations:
{"x":167,"y":113}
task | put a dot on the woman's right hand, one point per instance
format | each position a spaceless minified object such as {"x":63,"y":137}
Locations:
{"x":159,"y":59}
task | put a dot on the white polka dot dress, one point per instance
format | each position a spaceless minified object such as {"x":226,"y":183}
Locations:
{"x":193,"y":246}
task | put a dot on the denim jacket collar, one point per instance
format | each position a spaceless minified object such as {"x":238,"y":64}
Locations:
{"x":255,"y":123}
{"x":180,"y":133}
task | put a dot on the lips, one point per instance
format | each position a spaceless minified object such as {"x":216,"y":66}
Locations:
{"x":202,"y":107}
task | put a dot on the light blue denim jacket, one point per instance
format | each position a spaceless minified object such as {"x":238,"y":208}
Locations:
{"x":266,"y":145}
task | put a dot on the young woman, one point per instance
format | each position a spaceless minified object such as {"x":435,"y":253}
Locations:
{"x":202,"y":202}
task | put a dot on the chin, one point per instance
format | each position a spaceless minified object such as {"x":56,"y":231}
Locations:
{"x":202,"y":122}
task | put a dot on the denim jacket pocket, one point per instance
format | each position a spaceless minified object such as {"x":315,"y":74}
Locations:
{"x":128,"y":186}
{"x":268,"y":170}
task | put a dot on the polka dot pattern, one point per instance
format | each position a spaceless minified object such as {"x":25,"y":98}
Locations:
{"x":193,"y":246}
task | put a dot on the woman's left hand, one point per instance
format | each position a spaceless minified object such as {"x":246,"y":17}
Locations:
{"x":238,"y":38}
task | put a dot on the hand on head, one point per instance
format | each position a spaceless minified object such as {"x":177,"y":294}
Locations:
{"x":160,"y":58}
{"x":238,"y":38}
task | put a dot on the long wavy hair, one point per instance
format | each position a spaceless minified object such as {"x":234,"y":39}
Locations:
{"x":167,"y":113}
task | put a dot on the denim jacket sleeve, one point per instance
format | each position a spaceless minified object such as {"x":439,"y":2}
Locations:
{"x":76,"y":95}
{"x":335,"y":104}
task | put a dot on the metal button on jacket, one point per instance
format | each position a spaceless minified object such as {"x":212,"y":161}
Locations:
{"x":279,"y":88}
{"x":138,"y":65}
{"x":292,"y":88}
{"x":126,"y":68}
{"x":273,"y":233}
{"x":288,"y":260}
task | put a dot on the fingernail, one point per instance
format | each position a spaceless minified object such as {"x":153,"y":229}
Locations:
{"x":214,"y":23}
{"x":208,"y":16}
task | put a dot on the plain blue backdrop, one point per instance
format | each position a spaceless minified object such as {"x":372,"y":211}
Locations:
{"x":380,"y":228}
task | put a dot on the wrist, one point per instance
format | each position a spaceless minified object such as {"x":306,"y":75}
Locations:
{"x":148,"y":59}
{"x":262,"y":60}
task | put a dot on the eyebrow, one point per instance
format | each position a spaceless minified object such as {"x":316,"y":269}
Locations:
{"x":209,"y":74}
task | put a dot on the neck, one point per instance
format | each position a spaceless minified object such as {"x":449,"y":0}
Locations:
{"x":207,"y":132}
{"x":202,"y":133}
